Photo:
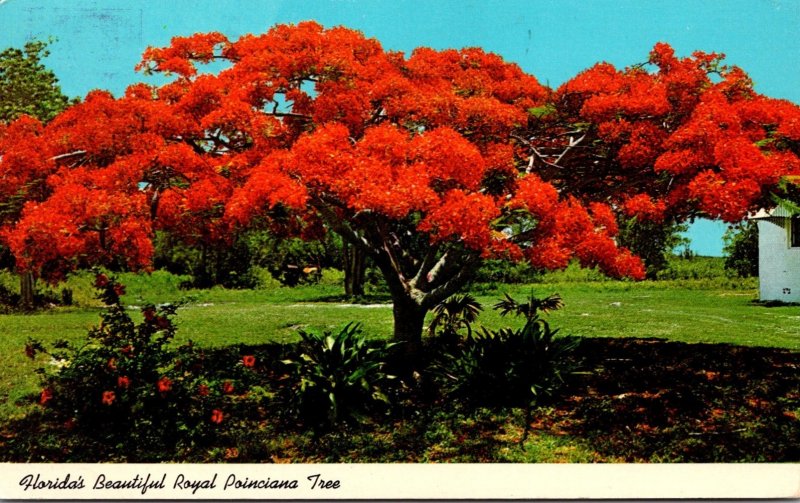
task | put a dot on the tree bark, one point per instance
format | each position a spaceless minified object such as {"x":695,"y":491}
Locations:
{"x":26,"y":291}
{"x":354,"y":266}
{"x":409,"y":319}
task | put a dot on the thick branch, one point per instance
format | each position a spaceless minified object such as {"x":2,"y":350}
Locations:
{"x":68,"y":155}
{"x":341,"y":226}
{"x":390,"y":246}
{"x":452,"y":285}
{"x":572,"y":143}
{"x":197,"y":148}
{"x":421,"y":278}
{"x":537,"y":154}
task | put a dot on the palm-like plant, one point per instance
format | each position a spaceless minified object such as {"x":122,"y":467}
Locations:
{"x":453,"y":314}
{"x":531,"y":308}
{"x":337,"y":376}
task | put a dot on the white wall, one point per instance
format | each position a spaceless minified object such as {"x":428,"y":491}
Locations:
{"x":778,"y":265}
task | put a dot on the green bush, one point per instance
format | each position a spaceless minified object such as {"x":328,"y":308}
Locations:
{"x":653,"y":242}
{"x":574,"y":273}
{"x":694,"y":268}
{"x":525,"y":367}
{"x":741,"y":249}
{"x":207,"y":264}
{"x":293,"y":261}
{"x":503,"y":271}
{"x":336,"y":378}
{"x":126,"y":390}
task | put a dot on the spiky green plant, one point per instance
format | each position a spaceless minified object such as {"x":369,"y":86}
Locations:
{"x":453,"y":314}
{"x":337,"y":377}
{"x":531,"y":308}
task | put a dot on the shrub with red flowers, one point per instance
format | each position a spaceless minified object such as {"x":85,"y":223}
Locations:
{"x":130,"y":390}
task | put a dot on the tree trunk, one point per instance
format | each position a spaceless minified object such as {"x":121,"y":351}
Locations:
{"x":409,"y":318}
{"x":26,"y":291}
{"x":354,"y":266}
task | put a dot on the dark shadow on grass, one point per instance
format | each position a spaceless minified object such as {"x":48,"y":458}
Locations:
{"x":774,"y":303}
{"x":649,"y":399}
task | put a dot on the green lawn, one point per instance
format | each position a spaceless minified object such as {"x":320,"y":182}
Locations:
{"x":686,"y":311}
{"x":632,"y":406}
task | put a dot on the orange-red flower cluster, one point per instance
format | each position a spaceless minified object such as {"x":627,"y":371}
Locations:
{"x":457,"y":147}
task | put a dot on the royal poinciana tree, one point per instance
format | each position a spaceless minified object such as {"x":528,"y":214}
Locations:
{"x":428,"y":163}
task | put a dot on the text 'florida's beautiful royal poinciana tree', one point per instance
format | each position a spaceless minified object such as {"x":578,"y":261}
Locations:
{"x":429,"y":163}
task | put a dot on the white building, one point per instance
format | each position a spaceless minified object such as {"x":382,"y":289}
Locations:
{"x":778,"y":255}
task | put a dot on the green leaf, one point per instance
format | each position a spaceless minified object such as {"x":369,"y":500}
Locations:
{"x":542,"y":111}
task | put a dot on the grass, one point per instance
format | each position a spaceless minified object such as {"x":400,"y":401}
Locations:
{"x":658,"y":309}
{"x":694,"y":305}
{"x":685,"y":310}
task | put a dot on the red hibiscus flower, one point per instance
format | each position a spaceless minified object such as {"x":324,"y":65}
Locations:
{"x":123,"y":382}
{"x":109,"y":397}
{"x":217,"y":416}
{"x":164,"y":384}
{"x":249,"y":360}
{"x":47,"y":395}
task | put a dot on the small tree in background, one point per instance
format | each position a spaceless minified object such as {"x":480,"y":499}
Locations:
{"x":27,"y":87}
{"x":652,"y":241}
{"x":741,"y":249}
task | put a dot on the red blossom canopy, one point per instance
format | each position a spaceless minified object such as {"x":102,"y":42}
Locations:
{"x":429,"y":163}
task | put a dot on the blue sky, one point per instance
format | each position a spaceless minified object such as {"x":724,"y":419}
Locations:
{"x":99,"y":42}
